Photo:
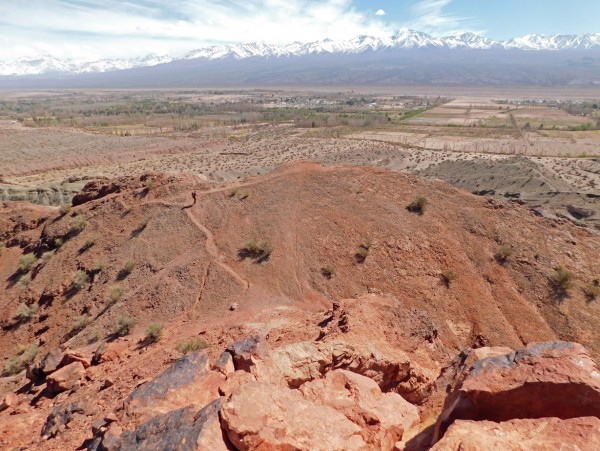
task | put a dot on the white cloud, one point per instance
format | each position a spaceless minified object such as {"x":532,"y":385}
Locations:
{"x":88,"y":29}
{"x":430,"y":17}
{"x":380,"y":12}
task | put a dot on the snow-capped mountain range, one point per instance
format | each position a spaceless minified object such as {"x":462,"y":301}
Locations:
{"x":403,"y":39}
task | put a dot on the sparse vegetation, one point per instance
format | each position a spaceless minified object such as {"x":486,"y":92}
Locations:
{"x":80,"y":279}
{"x":89,"y":243}
{"x":46,"y":256}
{"x":94,"y":336}
{"x":154,"y":332}
{"x":591,"y":291}
{"x":447,"y":277}
{"x":124,"y":325}
{"x":24,"y":280}
{"x":191,"y":345}
{"x":259,"y":251}
{"x":58,"y":242}
{"x":143,"y":223}
{"x":114,"y":294}
{"x":64,"y":209}
{"x":80,"y":323}
{"x":503,"y":253}
{"x":128,"y":267}
{"x":562,"y":279}
{"x":25,"y":312}
{"x":26,"y":262}
{"x":98,"y":266}
{"x":1,"y":248}
{"x":25,"y":356}
{"x":418,"y":205}
{"x":149,"y":184}
{"x":78,"y":223}
{"x":328,"y":271}
{"x":363,"y":251}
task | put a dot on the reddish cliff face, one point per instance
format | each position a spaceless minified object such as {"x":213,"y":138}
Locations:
{"x":362,"y":308}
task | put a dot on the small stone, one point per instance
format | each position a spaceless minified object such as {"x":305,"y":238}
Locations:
{"x":233,"y":306}
{"x":107,"y":383}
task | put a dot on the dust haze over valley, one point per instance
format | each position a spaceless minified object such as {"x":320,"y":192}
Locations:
{"x":322,"y":251}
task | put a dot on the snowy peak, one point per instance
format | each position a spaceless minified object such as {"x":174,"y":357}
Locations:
{"x":402,"y":39}
{"x":49,"y":65}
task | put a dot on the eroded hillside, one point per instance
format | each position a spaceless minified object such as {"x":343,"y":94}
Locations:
{"x":266,"y":258}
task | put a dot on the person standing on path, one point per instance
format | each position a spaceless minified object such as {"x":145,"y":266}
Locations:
{"x":194,"y":197}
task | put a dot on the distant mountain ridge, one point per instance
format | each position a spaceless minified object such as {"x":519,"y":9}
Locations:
{"x":403,"y":39}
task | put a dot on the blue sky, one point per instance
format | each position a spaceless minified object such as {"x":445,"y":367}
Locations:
{"x":93,"y":29}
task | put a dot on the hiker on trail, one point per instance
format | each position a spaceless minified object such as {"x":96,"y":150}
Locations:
{"x":194,"y":197}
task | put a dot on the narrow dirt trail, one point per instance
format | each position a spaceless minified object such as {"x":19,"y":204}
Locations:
{"x":211,"y":247}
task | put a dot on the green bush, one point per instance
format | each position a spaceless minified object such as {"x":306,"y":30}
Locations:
{"x":418,"y":205}
{"x":128,"y":267}
{"x":80,"y":279}
{"x":80,"y":323}
{"x":89,"y":243}
{"x":447,"y":277}
{"x":562,"y":278}
{"x":260,"y":251}
{"x":26,"y":262}
{"x":154,"y":331}
{"x":503,"y":253}
{"x":149,"y":184}
{"x":78,"y":223}
{"x":46,"y":256}
{"x":25,"y":356}
{"x":191,"y":345}
{"x":58,"y":242}
{"x":328,"y":271}
{"x":115,"y":294}
{"x":124,"y":325}
{"x":591,"y":291}
{"x":24,"y":280}
{"x":25,"y":312}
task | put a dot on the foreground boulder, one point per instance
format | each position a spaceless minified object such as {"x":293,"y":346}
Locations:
{"x":557,"y":379}
{"x":517,"y":435}
{"x":187,"y":381}
{"x":383,"y":416}
{"x":184,"y":429}
{"x":391,"y":369}
{"x":62,"y":415}
{"x":265,"y":416}
{"x":66,"y":378}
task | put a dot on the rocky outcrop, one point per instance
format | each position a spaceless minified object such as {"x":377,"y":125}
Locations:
{"x":557,"y":379}
{"x":65,"y":378}
{"x":187,"y":381}
{"x":383,"y":417}
{"x":265,"y":416}
{"x":391,"y":369}
{"x":61,"y":416}
{"x":185,"y":429}
{"x":517,"y":435}
{"x":97,"y":189}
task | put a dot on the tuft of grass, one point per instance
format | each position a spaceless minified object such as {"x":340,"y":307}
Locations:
{"x":232,"y":193}
{"x":25,"y":356}
{"x":128,"y":267}
{"x":114,"y":294}
{"x":562,"y":279}
{"x":25,"y":312}
{"x":94,"y":336}
{"x":503,"y":253}
{"x":447,"y":277}
{"x":98,"y":266}
{"x":89,"y":243}
{"x":80,"y":279}
{"x":26,"y":262}
{"x":80,"y":323}
{"x":58,"y":242}
{"x":46,"y":256}
{"x":78,"y":223}
{"x":149,"y":184}
{"x":591,"y":291}
{"x":363,"y":251}
{"x":124,"y":325}
{"x":328,"y":271}
{"x":191,"y":345}
{"x":418,"y":205}
{"x":2,"y":246}
{"x":154,"y":332}
{"x":64,"y":209}
{"x":143,"y":223}
{"x":260,"y":251}
{"x":24,"y":280}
